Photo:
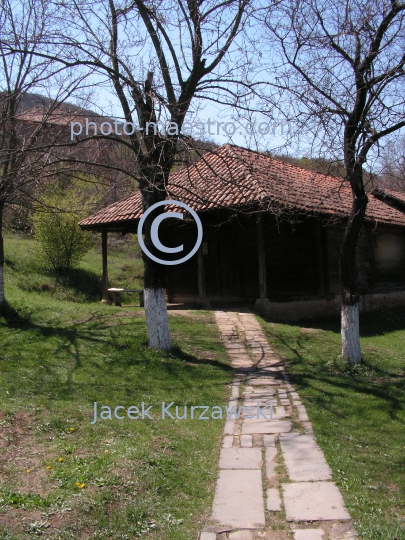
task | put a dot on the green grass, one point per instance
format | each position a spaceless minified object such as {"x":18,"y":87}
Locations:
{"x":58,"y":356}
{"x":358,"y":413}
{"x":25,"y":273}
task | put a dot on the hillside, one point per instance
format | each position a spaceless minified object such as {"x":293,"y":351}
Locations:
{"x":60,"y":352}
{"x":31,"y":100}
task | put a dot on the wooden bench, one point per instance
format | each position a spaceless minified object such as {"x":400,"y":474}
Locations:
{"x":116,"y":295}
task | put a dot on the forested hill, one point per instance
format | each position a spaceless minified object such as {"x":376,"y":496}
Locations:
{"x":31,"y":100}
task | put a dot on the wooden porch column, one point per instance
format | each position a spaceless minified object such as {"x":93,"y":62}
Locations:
{"x":323,"y":261}
{"x":262,"y":302}
{"x":105,"y":299}
{"x":372,"y":245}
{"x":202,"y":295}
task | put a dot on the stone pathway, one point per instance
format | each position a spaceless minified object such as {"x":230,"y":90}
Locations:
{"x":274,"y":482}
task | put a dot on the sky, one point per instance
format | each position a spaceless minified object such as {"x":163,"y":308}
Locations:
{"x":206,"y":120}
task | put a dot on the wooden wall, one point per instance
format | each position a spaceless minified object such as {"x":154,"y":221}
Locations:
{"x":389,"y":259}
{"x":302,"y":260}
{"x":292,"y":260}
{"x":380,"y":258}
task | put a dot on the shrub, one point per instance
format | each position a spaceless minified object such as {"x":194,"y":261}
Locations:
{"x":62,"y":242}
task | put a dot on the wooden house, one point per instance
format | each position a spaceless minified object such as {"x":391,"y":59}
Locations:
{"x":272,"y":236}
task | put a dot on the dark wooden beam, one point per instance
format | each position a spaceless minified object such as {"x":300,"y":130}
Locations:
{"x":262,"y":302}
{"x":321,"y":259}
{"x":324,"y":260}
{"x":104,"y":257}
{"x":262,"y":259}
{"x":202,"y":295}
{"x":372,"y":246}
{"x":388,"y":198}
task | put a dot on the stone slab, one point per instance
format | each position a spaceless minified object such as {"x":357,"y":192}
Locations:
{"x":235,"y":392}
{"x":273,"y":500}
{"x":262,"y":395}
{"x":238,"y":501}
{"x":271,"y":470}
{"x":308,"y":534}
{"x":260,"y":390}
{"x":280,"y":412}
{"x":254,"y":398}
{"x":260,"y":413}
{"x":208,"y":536}
{"x":258,"y":402}
{"x":271,"y":452}
{"x":276,"y":426}
{"x":308,"y":427}
{"x":234,"y":345}
{"x":268,"y":440}
{"x":313,"y":501}
{"x":246,"y":441}
{"x":241,"y":535}
{"x":244,"y":369}
{"x":240,"y":458}
{"x":261,"y":381}
{"x":237,"y":355}
{"x":270,"y":362}
{"x":229,"y":426}
{"x":257,"y":439}
{"x":303,"y":458}
{"x":280,"y":409}
{"x":227,"y":441}
{"x":302,"y":413}
{"x":269,"y":371}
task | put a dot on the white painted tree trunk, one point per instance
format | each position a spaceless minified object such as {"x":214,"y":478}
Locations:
{"x":157,"y":322}
{"x":351,"y":334}
{"x":2,"y":295}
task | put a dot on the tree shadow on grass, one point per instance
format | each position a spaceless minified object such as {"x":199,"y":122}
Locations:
{"x":323,"y":379}
{"x":93,"y":343}
{"x":13,"y":317}
{"x":10,"y":263}
{"x":325,"y":387}
{"x":374,"y":323}
{"x":83,"y":283}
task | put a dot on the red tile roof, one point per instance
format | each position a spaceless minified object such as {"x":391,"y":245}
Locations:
{"x":235,"y":177}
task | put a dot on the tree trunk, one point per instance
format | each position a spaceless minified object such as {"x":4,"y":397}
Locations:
{"x":2,"y":295}
{"x":351,"y":350}
{"x":157,"y":320}
{"x":351,"y":333}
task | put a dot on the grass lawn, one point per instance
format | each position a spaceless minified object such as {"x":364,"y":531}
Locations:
{"x":61,"y":351}
{"x":358,"y":414}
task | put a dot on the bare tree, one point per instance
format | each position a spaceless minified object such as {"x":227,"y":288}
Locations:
{"x":156,"y":56}
{"x":339,"y":66}
{"x":24,"y":146}
{"x":393,"y":165}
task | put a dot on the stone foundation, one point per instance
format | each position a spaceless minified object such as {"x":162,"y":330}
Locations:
{"x":314,"y":309}
{"x":300,"y":309}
